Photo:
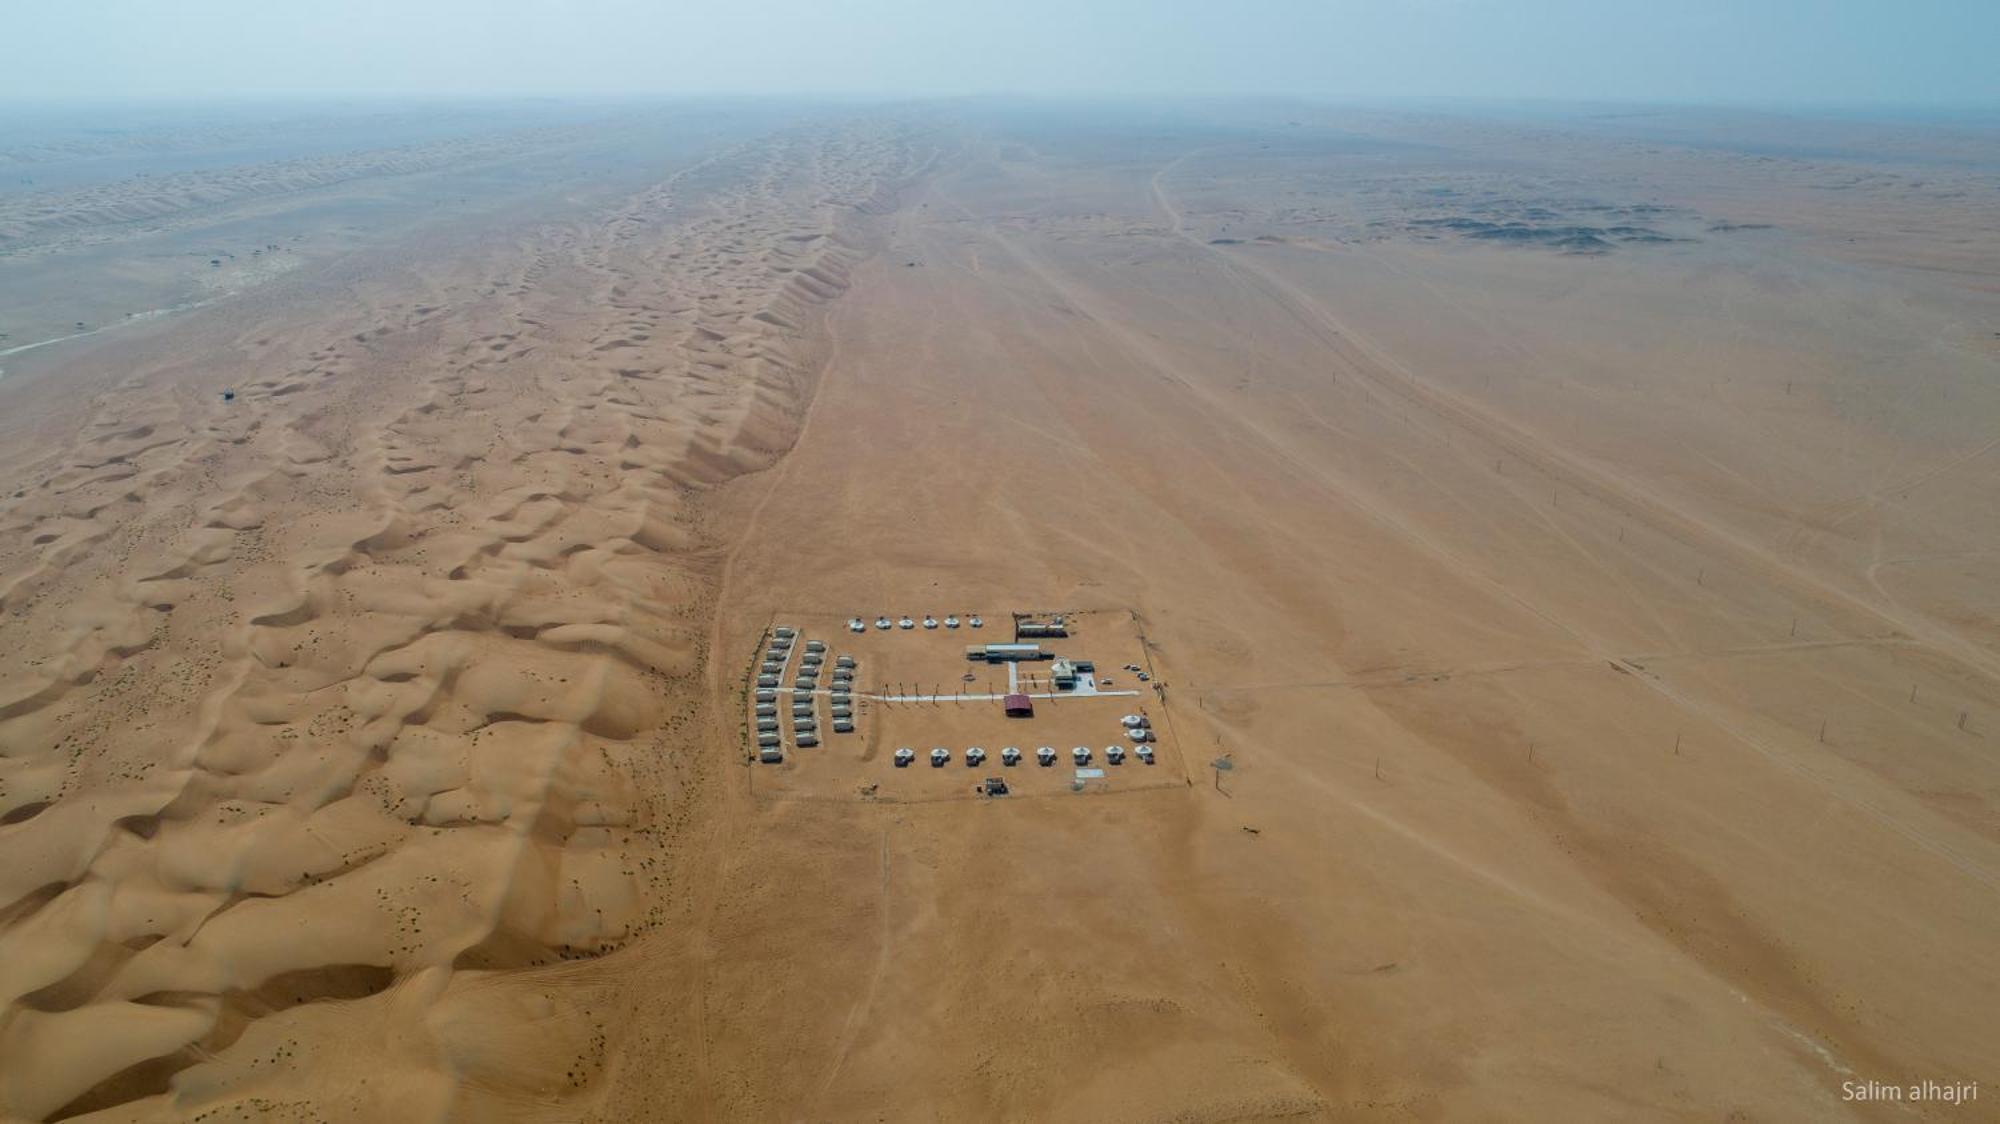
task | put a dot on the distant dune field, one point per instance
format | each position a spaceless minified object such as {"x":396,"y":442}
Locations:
{"x":1578,"y":539}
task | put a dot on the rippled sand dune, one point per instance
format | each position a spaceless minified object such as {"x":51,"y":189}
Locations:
{"x":377,"y":677}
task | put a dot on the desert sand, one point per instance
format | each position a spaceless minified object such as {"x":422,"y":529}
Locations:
{"x":1578,"y":536}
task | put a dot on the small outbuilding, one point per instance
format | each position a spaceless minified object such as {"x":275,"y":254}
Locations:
{"x":1018,"y":706}
{"x":1063,"y":674}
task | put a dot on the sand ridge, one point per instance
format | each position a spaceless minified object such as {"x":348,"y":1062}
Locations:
{"x":368,"y":661}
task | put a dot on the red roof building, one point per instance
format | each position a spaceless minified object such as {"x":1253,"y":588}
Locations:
{"x":1018,"y":706}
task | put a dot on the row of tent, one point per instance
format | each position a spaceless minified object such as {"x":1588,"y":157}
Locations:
{"x":1045,"y":756}
{"x":856,"y":624}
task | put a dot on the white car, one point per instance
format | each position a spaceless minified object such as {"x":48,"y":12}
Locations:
{"x":882,"y":622}
{"x":1046,"y":755}
{"x":1145,"y":753}
{"x":1081,"y":754}
{"x":939,"y":756}
{"x":975,"y":622}
{"x":856,"y":624}
{"x":906,"y":623}
{"x":974,"y":756}
{"x":1010,"y":755}
{"x":1115,"y":754}
{"x":951,"y":622}
{"x":904,"y":756}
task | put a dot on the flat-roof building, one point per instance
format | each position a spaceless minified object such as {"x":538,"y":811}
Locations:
{"x":1004,"y":653}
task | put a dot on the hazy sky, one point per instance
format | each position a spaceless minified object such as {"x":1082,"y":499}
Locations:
{"x":1849,"y":51}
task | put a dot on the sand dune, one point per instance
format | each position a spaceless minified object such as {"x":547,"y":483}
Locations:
{"x":93,"y":212}
{"x":341,"y":681}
